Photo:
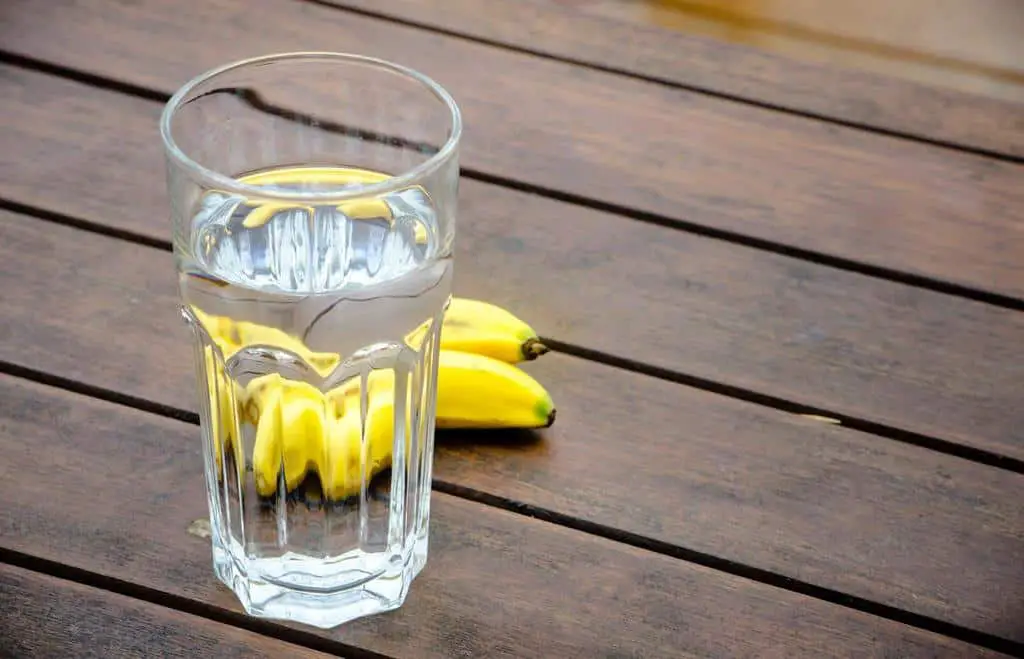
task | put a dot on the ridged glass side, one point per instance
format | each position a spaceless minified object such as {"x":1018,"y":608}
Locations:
{"x":319,"y":486}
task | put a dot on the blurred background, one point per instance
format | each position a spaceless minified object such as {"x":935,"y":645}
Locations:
{"x":970,"y":45}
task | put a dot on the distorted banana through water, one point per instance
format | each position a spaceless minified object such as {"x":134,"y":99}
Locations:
{"x":300,"y":429}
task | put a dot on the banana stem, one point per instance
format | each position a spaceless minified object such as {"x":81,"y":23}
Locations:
{"x":533,"y":348}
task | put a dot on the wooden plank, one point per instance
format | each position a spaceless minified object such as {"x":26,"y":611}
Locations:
{"x":977,"y":39}
{"x":858,"y":346}
{"x":116,"y":490}
{"x":954,"y":76}
{"x":842,"y":192}
{"x":972,"y":46}
{"x":46,"y":617}
{"x":879,"y":519}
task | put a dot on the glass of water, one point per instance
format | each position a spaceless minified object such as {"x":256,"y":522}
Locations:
{"x":313,"y":202}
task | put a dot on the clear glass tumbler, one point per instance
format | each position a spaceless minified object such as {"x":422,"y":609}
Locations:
{"x":313,"y":200}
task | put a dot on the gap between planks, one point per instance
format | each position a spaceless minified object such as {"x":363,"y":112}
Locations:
{"x":638,"y":541}
{"x":724,"y":235}
{"x":167,"y":600}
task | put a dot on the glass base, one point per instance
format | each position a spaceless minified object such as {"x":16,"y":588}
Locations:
{"x":316,"y":592}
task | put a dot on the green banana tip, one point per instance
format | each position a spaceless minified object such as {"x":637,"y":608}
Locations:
{"x":533,"y":348}
{"x":545,"y":409}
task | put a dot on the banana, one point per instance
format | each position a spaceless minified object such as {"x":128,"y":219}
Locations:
{"x":291,"y":424}
{"x":299,"y":429}
{"x":474,"y":391}
{"x":487,"y":329}
{"x":484,"y":329}
{"x":304,"y":430}
{"x":469,"y":326}
{"x":266,"y":454}
{"x":224,"y":395}
{"x":477,"y":391}
{"x":343,"y":476}
{"x":345,"y":397}
{"x":219,"y":328}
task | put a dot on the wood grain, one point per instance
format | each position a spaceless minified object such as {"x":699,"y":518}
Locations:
{"x":637,"y":145}
{"x":951,"y":72}
{"x":893,"y":523}
{"x":116,"y":489}
{"x":867,"y":348}
{"x":43,"y":617}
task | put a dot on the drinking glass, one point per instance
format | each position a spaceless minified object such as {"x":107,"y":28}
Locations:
{"x":313,"y":200}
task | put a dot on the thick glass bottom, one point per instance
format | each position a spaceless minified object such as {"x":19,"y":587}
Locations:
{"x":317,"y":592}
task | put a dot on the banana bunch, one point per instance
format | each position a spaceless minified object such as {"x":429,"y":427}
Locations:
{"x":300,"y":429}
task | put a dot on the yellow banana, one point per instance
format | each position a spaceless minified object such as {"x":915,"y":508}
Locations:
{"x":477,"y":391}
{"x":303,"y":430}
{"x":469,"y":326}
{"x":224,"y":396}
{"x":484,"y":329}
{"x":341,"y":478}
{"x":299,"y":429}
{"x":219,"y":329}
{"x":347,"y":453}
{"x":291,"y":424}
{"x":222,"y":392}
{"x":345,"y":397}
{"x":474,"y":391}
{"x":266,"y":455}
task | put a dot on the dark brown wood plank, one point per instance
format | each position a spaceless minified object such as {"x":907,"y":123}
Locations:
{"x":879,"y":519}
{"x":116,"y":490}
{"x":46,"y":617}
{"x":950,"y":73}
{"x":889,"y":353}
{"x":814,"y":185}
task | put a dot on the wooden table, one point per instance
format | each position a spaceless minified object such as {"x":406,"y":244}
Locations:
{"x":784,"y":293}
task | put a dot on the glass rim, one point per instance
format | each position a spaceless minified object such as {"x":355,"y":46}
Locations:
{"x":392,"y":183}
